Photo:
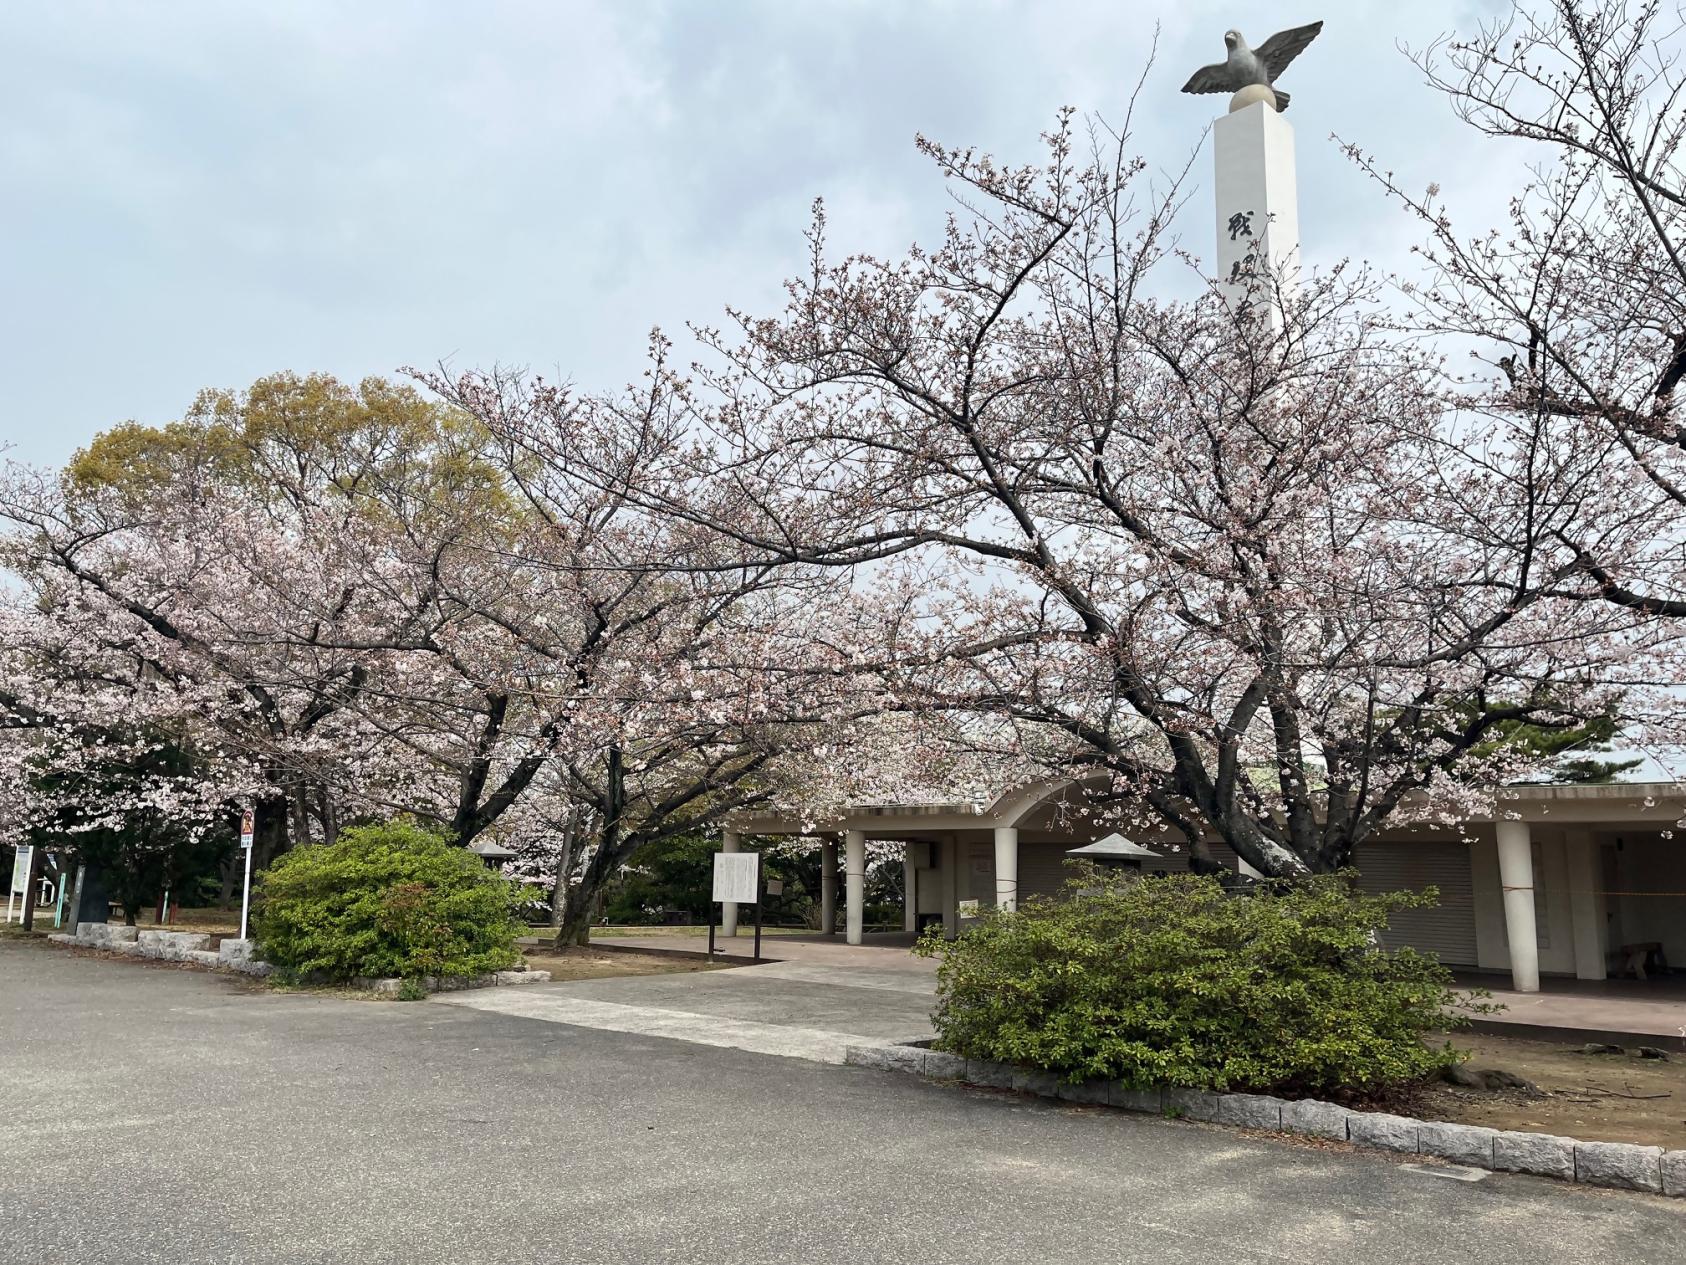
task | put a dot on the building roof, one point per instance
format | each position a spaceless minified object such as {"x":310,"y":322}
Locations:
{"x":1115,"y":847}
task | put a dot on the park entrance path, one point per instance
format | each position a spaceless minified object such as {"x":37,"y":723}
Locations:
{"x":794,"y":1009}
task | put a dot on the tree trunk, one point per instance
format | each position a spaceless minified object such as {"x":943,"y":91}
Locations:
{"x":231,"y":872}
{"x":35,"y":858}
{"x":564,"y":867}
{"x":575,"y":926}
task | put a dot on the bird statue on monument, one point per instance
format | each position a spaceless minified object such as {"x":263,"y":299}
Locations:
{"x":1262,"y":65}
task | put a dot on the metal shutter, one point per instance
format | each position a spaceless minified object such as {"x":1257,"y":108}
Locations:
{"x":1042,"y":870}
{"x":1448,"y":929}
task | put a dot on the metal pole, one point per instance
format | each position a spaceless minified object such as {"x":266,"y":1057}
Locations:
{"x":246,"y":895}
{"x":711,"y":931}
{"x":757,"y":906}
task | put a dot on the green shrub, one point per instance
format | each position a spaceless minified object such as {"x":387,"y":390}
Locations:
{"x":385,"y":900}
{"x":1173,"y":981}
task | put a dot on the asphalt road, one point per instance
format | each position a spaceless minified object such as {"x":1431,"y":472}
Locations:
{"x":156,"y":1114}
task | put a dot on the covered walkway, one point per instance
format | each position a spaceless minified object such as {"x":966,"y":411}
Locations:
{"x":1558,"y":882}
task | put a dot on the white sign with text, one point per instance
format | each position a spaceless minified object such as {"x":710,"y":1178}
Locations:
{"x":20,"y":867}
{"x":736,"y":875}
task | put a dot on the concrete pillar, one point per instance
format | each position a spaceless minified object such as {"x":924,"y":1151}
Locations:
{"x":1516,"y":877}
{"x":729,"y":908}
{"x":910,"y":887}
{"x":1586,"y":903}
{"x":828,"y":887}
{"x":1257,"y":204}
{"x":951,"y":887}
{"x":1006,"y":868}
{"x":854,"y":876}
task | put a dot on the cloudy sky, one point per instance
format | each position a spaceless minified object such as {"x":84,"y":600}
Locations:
{"x":198,"y":192}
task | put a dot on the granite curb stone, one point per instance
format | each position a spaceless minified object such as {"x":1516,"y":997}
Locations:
{"x":1316,"y":1119}
{"x":1251,"y":1111}
{"x":1379,"y":1129}
{"x":1674,"y":1173}
{"x":1620,"y":1164}
{"x":1461,"y":1143}
{"x":1542,"y":1154}
{"x":1192,"y":1104}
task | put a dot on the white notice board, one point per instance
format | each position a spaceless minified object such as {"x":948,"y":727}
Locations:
{"x":20,"y":868}
{"x":736,"y":875}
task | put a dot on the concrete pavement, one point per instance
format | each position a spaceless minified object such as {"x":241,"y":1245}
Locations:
{"x":158,"y":1115}
{"x":792,"y":1009}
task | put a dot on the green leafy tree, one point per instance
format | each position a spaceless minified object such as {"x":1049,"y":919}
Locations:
{"x":1171,"y":981}
{"x":386,"y":900}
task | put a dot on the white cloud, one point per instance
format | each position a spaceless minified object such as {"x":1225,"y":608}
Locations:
{"x":204,"y":192}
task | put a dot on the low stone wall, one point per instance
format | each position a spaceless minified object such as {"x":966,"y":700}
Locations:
{"x":166,"y":946}
{"x":1616,"y":1164}
{"x":236,"y":955}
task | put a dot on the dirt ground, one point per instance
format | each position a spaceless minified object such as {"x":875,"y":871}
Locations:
{"x":1595,"y":1097}
{"x":585,"y":963}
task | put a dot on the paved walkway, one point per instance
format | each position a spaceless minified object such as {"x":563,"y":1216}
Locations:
{"x":795,"y":1009}
{"x":1607,"y":1013}
{"x":821,"y":995}
{"x":878,"y":952}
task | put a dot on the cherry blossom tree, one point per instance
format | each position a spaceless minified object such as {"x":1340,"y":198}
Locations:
{"x":383,"y":604}
{"x":1236,"y":565}
{"x":1574,"y":312}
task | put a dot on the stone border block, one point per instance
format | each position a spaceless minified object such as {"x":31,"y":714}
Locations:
{"x":1251,"y":1111}
{"x":1674,"y":1173}
{"x":1091,"y":1093}
{"x":504,"y":978}
{"x":1151,"y":1101}
{"x":1191,"y":1104}
{"x":865,"y":1056}
{"x":1467,"y":1144}
{"x":392,"y":985}
{"x":1620,"y":1164}
{"x":1028,"y":1080}
{"x":1379,"y":1129}
{"x":943,"y":1066}
{"x":1315,"y":1119}
{"x":988,"y":1074}
{"x":1542,"y":1154}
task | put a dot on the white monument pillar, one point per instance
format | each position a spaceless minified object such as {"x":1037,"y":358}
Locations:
{"x":1257,"y":201}
{"x":854,"y":884}
{"x":1006,"y":868}
{"x":729,"y":908}
{"x":828,"y":888}
{"x":1516,"y":877}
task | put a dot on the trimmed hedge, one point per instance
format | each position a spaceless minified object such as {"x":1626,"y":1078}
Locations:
{"x":1174,"y":981}
{"x":386,"y":900}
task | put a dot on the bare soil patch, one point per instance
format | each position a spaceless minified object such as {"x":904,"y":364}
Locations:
{"x":588,"y":963}
{"x":1595,"y":1097}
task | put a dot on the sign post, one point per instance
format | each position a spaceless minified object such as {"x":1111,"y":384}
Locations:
{"x":22,"y":864}
{"x":737,"y":877}
{"x":248,"y":822}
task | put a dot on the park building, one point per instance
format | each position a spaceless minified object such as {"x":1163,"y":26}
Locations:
{"x":1582,"y":882}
